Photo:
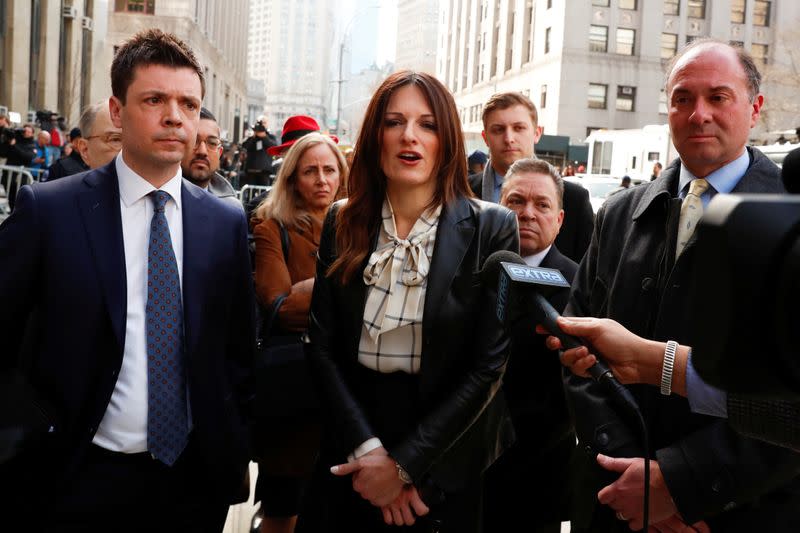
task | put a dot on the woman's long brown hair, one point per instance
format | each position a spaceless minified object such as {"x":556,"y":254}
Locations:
{"x":358,"y":221}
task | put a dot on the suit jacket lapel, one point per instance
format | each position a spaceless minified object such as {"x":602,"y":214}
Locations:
{"x":453,"y":238}
{"x":197,"y":243}
{"x":100,"y":211}
{"x":487,"y":190}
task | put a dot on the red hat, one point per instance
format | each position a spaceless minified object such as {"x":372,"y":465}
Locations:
{"x":295,"y":127}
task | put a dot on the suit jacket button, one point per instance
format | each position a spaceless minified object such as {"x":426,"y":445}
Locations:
{"x":716,"y":486}
{"x":588,"y":449}
{"x":647,"y":284}
{"x":603,"y":439}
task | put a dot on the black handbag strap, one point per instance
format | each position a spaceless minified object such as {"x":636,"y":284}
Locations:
{"x":284,"y":241}
{"x":272,"y":316}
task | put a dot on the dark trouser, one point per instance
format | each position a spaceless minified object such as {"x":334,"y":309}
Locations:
{"x":133,"y":492}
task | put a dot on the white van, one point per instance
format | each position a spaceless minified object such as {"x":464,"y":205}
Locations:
{"x":777,"y":152}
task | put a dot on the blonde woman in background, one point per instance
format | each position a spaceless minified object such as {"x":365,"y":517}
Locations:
{"x":311,"y":176}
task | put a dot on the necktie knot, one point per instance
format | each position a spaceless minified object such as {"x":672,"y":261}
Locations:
{"x":159,"y":200}
{"x":698,"y":186}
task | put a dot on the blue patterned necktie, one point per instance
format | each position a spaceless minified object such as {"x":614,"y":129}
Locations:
{"x":167,"y":413}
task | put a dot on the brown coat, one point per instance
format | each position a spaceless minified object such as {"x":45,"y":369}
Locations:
{"x":275,"y":276}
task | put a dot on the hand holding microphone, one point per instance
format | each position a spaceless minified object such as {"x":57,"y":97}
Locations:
{"x":521,"y":294}
{"x":621,"y":349}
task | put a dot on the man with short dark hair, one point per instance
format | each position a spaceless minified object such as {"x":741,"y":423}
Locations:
{"x":200,"y":164}
{"x":532,"y":383}
{"x":71,"y":164}
{"x":511,"y":131}
{"x":636,"y":272}
{"x":121,"y":275}
{"x":657,"y":167}
{"x":624,"y":184}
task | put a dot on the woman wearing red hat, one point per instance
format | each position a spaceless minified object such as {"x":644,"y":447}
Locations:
{"x":308,"y":182}
{"x":405,"y":347}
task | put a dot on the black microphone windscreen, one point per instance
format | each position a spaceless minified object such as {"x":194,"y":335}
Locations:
{"x":491,"y":267}
{"x":790,"y":173}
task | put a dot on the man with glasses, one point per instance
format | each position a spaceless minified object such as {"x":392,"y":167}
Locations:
{"x":201,"y":162}
{"x":103,"y":140}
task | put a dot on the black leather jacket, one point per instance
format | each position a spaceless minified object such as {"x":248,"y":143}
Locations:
{"x":462,"y":425}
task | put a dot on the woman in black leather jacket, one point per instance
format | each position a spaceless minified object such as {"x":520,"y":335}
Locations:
{"x":405,"y":347}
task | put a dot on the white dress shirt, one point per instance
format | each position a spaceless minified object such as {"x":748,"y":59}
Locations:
{"x":124,"y":425}
{"x":536,"y":259}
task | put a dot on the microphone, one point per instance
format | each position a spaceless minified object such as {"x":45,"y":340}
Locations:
{"x":522,"y":291}
{"x":790,"y":172}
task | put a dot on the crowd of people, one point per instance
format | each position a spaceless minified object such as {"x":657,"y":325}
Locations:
{"x":132,"y":298}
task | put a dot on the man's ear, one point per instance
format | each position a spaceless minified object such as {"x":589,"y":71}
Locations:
{"x":483,"y":134}
{"x":115,"y":110}
{"x":537,"y":134}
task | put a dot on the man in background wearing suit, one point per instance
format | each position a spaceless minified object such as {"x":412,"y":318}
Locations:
{"x":511,"y":130}
{"x":134,"y":287}
{"x":529,"y":484}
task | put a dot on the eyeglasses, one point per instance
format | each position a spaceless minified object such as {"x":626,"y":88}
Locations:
{"x":211,"y":142}
{"x":114,"y":140}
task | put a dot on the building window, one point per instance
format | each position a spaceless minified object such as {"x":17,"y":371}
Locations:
{"x":601,"y":3}
{"x":761,"y":12}
{"x":549,"y":4}
{"x":627,"y":4}
{"x":597,"y":95}
{"x":662,"y":102}
{"x":759,"y":53}
{"x":738,"y":44}
{"x":669,"y":45}
{"x":626,"y":98}
{"x":672,"y":7}
{"x":598,"y":38}
{"x":543,"y":98}
{"x":697,"y":8}
{"x":148,"y":7}
{"x":737,"y":11}
{"x":625,"y":40}
{"x":547,"y":40}
{"x":601,"y":157}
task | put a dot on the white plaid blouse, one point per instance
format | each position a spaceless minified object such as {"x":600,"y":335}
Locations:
{"x":397,"y":277}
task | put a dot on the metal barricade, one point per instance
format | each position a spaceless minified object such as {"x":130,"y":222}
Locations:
{"x":12,"y":179}
{"x":248,"y":192}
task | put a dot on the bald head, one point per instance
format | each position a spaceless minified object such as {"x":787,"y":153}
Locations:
{"x":101,"y":140}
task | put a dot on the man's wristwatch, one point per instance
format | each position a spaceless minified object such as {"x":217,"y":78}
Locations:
{"x":403,"y":475}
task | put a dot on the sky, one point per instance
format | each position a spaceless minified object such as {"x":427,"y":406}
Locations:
{"x":387,"y":26}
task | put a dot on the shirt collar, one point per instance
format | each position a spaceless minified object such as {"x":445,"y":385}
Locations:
{"x":133,"y":187}
{"x":536,"y":259}
{"x":722,"y":180}
{"x":498,"y":178}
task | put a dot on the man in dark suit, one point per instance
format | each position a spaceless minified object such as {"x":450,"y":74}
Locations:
{"x":511,"y":131}
{"x":528,"y":483}
{"x":134,"y":287}
{"x":636,"y":272}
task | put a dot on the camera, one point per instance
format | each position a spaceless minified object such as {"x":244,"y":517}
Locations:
{"x":7,"y":134}
{"x":744,"y":295}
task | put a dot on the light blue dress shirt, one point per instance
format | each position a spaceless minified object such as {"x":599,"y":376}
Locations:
{"x":703,"y":398}
{"x":498,"y":184}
